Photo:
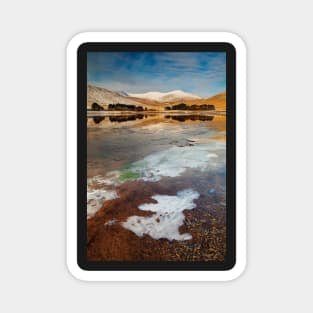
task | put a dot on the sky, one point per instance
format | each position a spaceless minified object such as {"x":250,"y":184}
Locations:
{"x":200,"y":73}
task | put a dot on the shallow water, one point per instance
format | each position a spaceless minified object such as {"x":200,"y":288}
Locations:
{"x":112,"y":144}
{"x":139,"y":160}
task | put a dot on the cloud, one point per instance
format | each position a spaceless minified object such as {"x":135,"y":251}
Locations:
{"x":201,"y":73}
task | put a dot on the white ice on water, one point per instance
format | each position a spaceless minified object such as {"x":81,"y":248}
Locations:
{"x":95,"y":199}
{"x":168,"y":216}
{"x":174,"y":161}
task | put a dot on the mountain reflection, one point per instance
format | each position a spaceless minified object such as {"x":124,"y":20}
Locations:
{"x":125,"y":118}
{"x":183,"y":118}
{"x":133,"y":117}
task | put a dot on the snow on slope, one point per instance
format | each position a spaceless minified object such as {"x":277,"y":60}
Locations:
{"x":165,"y":96}
{"x":104,"y":97}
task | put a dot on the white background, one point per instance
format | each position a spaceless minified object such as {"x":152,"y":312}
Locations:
{"x":33,"y":274}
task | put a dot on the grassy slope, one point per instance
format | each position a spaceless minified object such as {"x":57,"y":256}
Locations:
{"x":218,"y":100}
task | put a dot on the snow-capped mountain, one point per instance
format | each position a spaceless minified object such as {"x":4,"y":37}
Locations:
{"x":165,"y":96}
{"x":104,"y":97}
{"x":150,"y":100}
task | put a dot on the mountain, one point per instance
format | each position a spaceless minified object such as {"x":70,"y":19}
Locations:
{"x":174,"y":95}
{"x":104,"y":97}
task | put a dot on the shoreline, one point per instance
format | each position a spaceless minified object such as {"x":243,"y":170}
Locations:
{"x":170,"y":112}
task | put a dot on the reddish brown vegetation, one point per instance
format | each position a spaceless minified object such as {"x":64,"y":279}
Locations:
{"x":206,"y":224}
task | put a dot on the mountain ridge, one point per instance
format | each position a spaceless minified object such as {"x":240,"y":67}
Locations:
{"x":104,"y":97}
{"x":165,"y":96}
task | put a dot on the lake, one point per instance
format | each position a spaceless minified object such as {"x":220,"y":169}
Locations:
{"x":156,"y":187}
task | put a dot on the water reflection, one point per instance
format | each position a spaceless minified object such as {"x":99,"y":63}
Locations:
{"x":98,"y":119}
{"x":133,"y":117}
{"x":125,"y":118}
{"x":183,"y":118}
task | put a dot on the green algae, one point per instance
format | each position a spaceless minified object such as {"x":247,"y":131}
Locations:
{"x":128,"y":174}
{"x":131,"y":171}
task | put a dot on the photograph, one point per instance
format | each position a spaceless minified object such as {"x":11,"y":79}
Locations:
{"x":156,"y":156}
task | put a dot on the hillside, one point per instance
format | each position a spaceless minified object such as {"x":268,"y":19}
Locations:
{"x":219,"y":101}
{"x":104,"y":97}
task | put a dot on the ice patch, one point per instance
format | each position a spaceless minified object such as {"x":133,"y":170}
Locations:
{"x":97,"y":192}
{"x":174,"y":161}
{"x":95,"y":199}
{"x":110,"y":179}
{"x":168,"y":216}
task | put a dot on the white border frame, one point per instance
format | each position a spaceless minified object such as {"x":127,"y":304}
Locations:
{"x":72,"y":47}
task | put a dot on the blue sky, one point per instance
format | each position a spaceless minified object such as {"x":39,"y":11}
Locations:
{"x":201,"y":73}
